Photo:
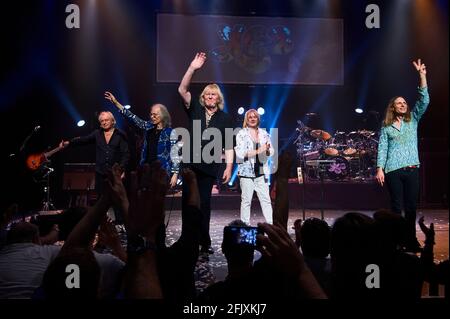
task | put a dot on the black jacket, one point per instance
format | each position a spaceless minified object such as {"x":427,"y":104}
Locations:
{"x":116,"y":151}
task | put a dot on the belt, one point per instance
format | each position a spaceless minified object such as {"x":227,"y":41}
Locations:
{"x":410,"y":166}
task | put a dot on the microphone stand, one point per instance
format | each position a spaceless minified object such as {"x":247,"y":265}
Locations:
{"x":27,"y":138}
{"x":25,"y":141}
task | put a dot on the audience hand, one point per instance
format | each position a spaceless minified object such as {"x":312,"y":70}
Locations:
{"x":427,"y":231}
{"x":116,"y":189}
{"x":280,"y":250}
{"x":146,"y":211}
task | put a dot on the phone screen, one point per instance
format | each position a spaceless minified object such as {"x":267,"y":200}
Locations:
{"x":241,"y":235}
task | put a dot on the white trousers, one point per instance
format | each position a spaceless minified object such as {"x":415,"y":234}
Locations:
{"x":248,"y":186}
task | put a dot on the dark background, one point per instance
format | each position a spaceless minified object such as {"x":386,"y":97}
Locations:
{"x":53,"y":76}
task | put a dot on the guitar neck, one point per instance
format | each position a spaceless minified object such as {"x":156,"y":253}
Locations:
{"x":53,"y":151}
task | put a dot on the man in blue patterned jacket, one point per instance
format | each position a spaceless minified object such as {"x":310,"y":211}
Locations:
{"x":159,"y":137}
{"x":398,"y":156}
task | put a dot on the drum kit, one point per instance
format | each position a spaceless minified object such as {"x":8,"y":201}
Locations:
{"x":342,"y":156}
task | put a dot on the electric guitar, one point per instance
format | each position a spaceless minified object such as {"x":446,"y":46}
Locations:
{"x":35,"y":161}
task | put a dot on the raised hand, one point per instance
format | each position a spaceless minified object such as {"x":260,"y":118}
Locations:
{"x":427,"y":231}
{"x":109,"y":96}
{"x":107,"y":233}
{"x":284,"y":165}
{"x":63,"y":144}
{"x":279,"y":248}
{"x":146,"y":212}
{"x":191,"y":181}
{"x":116,"y":189}
{"x":198,"y":60}
{"x":297,"y":227}
{"x":420,"y":67}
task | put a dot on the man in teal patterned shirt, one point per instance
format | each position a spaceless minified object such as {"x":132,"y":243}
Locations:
{"x":398,"y":156}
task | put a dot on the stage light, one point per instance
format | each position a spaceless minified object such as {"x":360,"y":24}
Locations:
{"x":359,"y":110}
{"x":241,"y":110}
{"x":81,"y":123}
{"x":261,"y":111}
{"x":127,"y":107}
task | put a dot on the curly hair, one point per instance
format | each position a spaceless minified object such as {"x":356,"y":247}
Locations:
{"x":389,"y":116}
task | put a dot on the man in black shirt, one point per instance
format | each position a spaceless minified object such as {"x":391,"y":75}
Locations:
{"x":206,"y":117}
{"x":110,"y":144}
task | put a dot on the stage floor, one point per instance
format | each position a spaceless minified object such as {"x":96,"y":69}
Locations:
{"x":214,"y":267}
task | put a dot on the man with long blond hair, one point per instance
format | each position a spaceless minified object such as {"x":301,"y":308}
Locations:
{"x":206,"y":115}
{"x":253,"y":147}
{"x":398,"y":155}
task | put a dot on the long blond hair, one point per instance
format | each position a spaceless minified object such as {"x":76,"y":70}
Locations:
{"x":216,"y":88}
{"x":247,"y":114}
{"x":389,"y":116}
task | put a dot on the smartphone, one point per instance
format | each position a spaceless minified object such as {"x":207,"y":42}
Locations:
{"x":242,"y":235}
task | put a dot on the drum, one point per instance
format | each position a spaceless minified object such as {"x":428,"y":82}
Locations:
{"x":350,"y":148}
{"x":331,"y":150}
{"x":350,"y":151}
{"x":338,"y":170}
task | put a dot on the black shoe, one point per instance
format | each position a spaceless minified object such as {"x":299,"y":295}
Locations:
{"x":207,"y":250}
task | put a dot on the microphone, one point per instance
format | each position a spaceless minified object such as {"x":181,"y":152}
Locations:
{"x":37,"y":128}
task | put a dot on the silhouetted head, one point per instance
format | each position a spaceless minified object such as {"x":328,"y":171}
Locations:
{"x":23,"y":232}
{"x":73,"y":274}
{"x":354,"y":246}
{"x":237,"y":254}
{"x":393,"y":228}
{"x":315,"y":238}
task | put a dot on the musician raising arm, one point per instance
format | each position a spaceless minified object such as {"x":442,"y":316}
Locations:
{"x":398,"y":156}
{"x":159,"y":138}
{"x":205,"y":111}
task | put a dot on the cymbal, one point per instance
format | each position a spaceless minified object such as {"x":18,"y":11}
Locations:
{"x":320,"y":135}
{"x":366,"y":133}
{"x":311,"y":114}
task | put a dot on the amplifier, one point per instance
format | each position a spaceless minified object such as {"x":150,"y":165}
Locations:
{"x":79,"y":176}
